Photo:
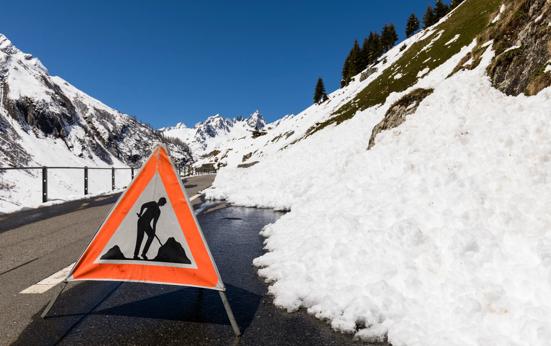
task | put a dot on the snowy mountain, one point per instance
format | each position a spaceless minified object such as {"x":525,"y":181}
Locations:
{"x":256,"y":121}
{"x":182,"y":132}
{"x":419,"y":194}
{"x":214,"y":126}
{"x":44,"y":120}
{"x":216,"y":134}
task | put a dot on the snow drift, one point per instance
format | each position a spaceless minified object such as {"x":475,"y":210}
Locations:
{"x":440,"y":234}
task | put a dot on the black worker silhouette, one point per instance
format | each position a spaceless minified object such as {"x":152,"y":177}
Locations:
{"x":171,"y":251}
{"x":147,"y":223}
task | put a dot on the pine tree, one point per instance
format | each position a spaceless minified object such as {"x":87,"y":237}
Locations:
{"x":455,"y":3}
{"x":412,"y":25}
{"x":355,"y":58}
{"x":352,"y":64}
{"x":364,"y":55}
{"x":440,"y":10}
{"x":374,"y":47}
{"x":429,"y":18}
{"x":319,"y":94}
{"x":345,"y":71}
{"x":388,"y":37}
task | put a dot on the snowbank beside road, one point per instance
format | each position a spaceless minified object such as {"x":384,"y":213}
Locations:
{"x":439,"y":235}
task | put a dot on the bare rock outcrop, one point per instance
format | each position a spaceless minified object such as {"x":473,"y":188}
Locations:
{"x":522,"y":41}
{"x":398,"y":112}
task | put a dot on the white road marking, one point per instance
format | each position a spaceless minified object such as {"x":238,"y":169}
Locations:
{"x":195,"y":197}
{"x":48,"y":282}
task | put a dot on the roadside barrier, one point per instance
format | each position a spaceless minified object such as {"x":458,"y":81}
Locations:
{"x":183,"y":171}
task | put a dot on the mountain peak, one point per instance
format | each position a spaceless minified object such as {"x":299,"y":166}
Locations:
{"x":212,"y":119}
{"x":6,"y":46}
{"x":256,"y":121}
{"x":213,"y":126}
{"x":9,"y":49}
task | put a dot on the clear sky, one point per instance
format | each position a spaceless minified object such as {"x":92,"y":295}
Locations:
{"x":172,"y":61}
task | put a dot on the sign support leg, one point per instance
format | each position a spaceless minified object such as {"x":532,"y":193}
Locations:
{"x":229,"y":312}
{"x":53,"y":300}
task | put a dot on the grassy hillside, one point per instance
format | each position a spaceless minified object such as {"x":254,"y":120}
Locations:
{"x":463,"y":25}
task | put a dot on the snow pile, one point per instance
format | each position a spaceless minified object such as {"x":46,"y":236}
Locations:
{"x":438,"y":235}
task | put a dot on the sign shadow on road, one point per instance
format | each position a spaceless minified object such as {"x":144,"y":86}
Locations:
{"x":190,"y":305}
{"x":192,"y":308}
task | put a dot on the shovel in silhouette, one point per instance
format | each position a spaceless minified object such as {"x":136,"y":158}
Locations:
{"x":159,"y":240}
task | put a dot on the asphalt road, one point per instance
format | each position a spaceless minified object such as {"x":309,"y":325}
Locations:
{"x":104,"y":313}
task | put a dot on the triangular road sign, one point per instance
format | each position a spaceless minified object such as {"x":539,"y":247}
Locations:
{"x":151,"y":235}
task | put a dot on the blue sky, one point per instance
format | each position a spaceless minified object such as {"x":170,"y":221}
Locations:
{"x":171,"y":61}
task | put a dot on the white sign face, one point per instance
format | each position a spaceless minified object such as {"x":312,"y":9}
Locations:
{"x":150,"y":233}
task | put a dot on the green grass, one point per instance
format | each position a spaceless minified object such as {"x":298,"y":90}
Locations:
{"x":468,"y":20}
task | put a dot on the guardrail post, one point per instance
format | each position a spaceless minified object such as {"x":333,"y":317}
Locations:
{"x":85,"y":180}
{"x":112,"y":178}
{"x":44,"y":184}
{"x":132,"y":172}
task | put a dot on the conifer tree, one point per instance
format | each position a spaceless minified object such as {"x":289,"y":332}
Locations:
{"x":388,"y":37}
{"x":440,"y":10}
{"x":355,"y":57}
{"x":345,"y":71}
{"x":455,"y":3}
{"x":364,"y":55}
{"x":352,"y":64}
{"x":320,"y":95}
{"x":412,"y":25}
{"x":429,"y":18}
{"x":374,"y":47}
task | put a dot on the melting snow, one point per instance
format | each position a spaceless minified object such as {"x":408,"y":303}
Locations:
{"x":434,"y":39}
{"x":439,"y":235}
{"x":452,"y":40}
{"x":511,"y":48}
{"x":498,"y":17}
{"x":423,"y":72}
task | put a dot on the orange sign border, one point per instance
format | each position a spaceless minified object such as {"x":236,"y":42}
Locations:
{"x":206,"y":274}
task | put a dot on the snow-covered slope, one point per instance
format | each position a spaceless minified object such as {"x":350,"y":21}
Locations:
{"x":44,"y":120}
{"x":440,"y":233}
{"x":184,"y":133}
{"x":237,"y":144}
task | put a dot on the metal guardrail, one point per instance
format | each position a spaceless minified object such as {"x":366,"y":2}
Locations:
{"x":184,"y":171}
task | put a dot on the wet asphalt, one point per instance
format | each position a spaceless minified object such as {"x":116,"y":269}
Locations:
{"x":114,"y":313}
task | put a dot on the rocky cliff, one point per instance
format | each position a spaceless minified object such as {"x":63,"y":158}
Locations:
{"x":36,"y":108}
